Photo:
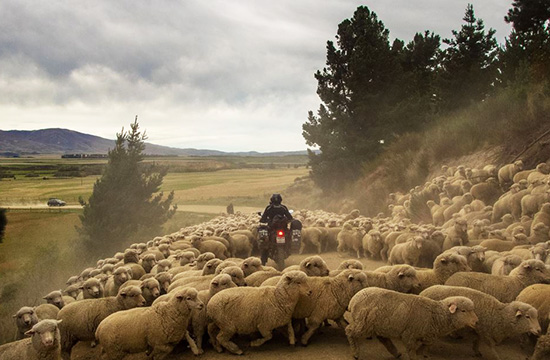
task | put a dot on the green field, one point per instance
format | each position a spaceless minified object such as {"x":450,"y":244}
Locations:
{"x":42,"y":247}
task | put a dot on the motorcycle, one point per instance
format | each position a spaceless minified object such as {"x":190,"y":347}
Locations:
{"x":278,"y":241}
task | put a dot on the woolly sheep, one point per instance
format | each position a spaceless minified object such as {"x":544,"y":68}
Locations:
{"x":311,"y":236}
{"x":507,"y":172}
{"x":329,"y":299}
{"x":217,"y":248}
{"x":539,"y":234}
{"x":444,"y":266}
{"x":81,"y":318}
{"x":496,"y":321}
{"x":203,"y":282}
{"x":25,"y":319}
{"x":119,"y":277}
{"x":44,"y":343}
{"x":475,"y":255}
{"x":91,"y":289}
{"x":416,"y":320}
{"x":457,"y":235}
{"x":401,"y":278}
{"x":537,"y":296}
{"x":311,"y":265}
{"x":542,"y":349}
{"x":407,"y":253}
{"x":349,"y":239}
{"x":267,"y":308}
{"x":488,"y":191}
{"x":251,"y":265}
{"x":504,"y":288}
{"x":154,"y":329}
{"x":347,"y":264}
{"x":150,"y":288}
{"x":505,"y":264}
{"x":532,"y":203}
{"x":373,"y":244}
{"x":257,"y":278}
{"x":57,"y":298}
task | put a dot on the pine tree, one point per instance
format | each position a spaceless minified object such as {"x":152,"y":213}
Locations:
{"x":126,"y":202}
{"x":468,"y":66}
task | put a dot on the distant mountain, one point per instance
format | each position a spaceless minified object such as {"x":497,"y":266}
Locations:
{"x":63,"y":141}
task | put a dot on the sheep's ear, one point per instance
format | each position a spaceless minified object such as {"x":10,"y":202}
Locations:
{"x":179,"y":297}
{"x":129,"y":272}
{"x":14,"y":316}
{"x":452,"y":308}
{"x":308,"y":264}
{"x":59,"y":322}
{"x":527,"y":266}
{"x":30,"y":332}
{"x":287,"y":278}
{"x":351,"y":277}
{"x":123,"y":293}
{"x":45,"y":298}
{"x":142,"y":285}
{"x":401,"y":274}
{"x":215,"y":283}
{"x":519,"y":314}
{"x":443,"y":260}
{"x":81,"y":287}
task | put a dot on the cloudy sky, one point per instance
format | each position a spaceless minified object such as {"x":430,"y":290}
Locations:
{"x":230,"y":75}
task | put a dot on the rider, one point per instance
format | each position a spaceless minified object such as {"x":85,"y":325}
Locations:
{"x":275,"y":208}
{"x":274,"y":211}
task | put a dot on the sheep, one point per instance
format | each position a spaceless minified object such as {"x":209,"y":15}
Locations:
{"x":504,"y":288}
{"x":57,"y":298}
{"x":156,"y":329}
{"x":496,"y":321}
{"x":488,"y":191}
{"x":539,"y":234}
{"x":475,"y":255}
{"x":203,"y":282}
{"x":328,"y":300}
{"x":347,"y":264}
{"x":251,"y":265}
{"x":91,"y":289}
{"x":25,"y":319}
{"x":150,"y":288}
{"x":542,"y":216}
{"x":131,"y":261}
{"x":457,"y":205}
{"x":81,"y":318}
{"x":507,"y":172}
{"x":119,"y":277}
{"x":161,"y":266}
{"x":537,"y":295}
{"x":402,"y":278}
{"x":267,"y":308}
{"x":532,"y":203}
{"x":407,"y":253}
{"x":217,"y":248}
{"x":373,"y":244}
{"x":241,"y":244}
{"x":457,"y":235}
{"x":44,"y":343}
{"x":257,"y":278}
{"x":505,"y":264}
{"x":349,"y":239}
{"x":542,"y":349}
{"x":504,"y":245}
{"x":311,"y":265}
{"x":444,"y":266}
{"x":311,"y":236}
{"x":416,"y":320}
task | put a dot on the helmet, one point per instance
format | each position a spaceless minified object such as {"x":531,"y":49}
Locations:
{"x":276,"y":199}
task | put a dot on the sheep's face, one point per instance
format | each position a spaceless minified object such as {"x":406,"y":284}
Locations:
{"x":72,"y":280}
{"x":539,"y":253}
{"x":314,"y":266}
{"x":55,"y":298}
{"x":131,"y":297}
{"x":356,"y":279}
{"x":121,"y":275}
{"x":93,"y":288}
{"x":152,"y":287}
{"x":164,"y":279}
{"x":534,"y":270}
{"x":350,"y":264}
{"x":451,"y":264}
{"x":251,"y":265}
{"x":46,"y":333}
{"x":25,"y":318}
{"x":221,"y":282}
{"x":405,"y":278}
{"x":526,"y":318}
{"x":188,"y":298}
{"x":462,"y":311}
{"x":297,"y":280}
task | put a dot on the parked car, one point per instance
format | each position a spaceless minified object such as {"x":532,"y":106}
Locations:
{"x":56,"y":202}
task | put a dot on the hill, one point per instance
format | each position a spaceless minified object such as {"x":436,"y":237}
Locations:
{"x":64,"y":141}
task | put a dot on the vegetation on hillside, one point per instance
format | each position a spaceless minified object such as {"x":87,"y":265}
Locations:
{"x":390,"y":112}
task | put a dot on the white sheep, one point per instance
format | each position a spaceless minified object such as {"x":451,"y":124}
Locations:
{"x":44,"y":343}
{"x":247,"y":310}
{"x":416,"y":320}
{"x":156,"y":329}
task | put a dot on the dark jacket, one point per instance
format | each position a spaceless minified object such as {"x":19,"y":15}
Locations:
{"x":272,"y":210}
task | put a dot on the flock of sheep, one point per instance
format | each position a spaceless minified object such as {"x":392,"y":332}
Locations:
{"x":481,"y":263}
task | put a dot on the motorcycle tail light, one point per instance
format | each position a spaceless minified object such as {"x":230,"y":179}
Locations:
{"x":280,"y":233}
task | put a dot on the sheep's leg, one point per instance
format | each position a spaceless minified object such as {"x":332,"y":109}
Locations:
{"x":319,"y":247}
{"x":266,"y":335}
{"x":302,"y":247}
{"x":192,"y":344}
{"x":224,"y":338}
{"x":353,"y":340}
{"x":312,"y":326}
{"x":291,"y":335}
{"x":388,"y":344}
{"x":212,"y":334}
{"x":342,"y":322}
